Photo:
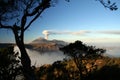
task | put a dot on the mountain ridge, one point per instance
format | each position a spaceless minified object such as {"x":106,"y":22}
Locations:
{"x":41,"y":44}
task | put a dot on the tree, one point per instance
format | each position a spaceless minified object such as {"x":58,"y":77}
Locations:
{"x":14,"y":15}
{"x":79,"y":52}
{"x":108,"y":4}
{"x":10,"y":66}
{"x":18,"y":15}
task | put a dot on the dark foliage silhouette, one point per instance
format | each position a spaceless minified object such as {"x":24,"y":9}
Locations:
{"x":106,"y":73}
{"x":81,"y":52}
{"x":10,"y":66}
{"x":108,"y":4}
{"x":59,"y":70}
{"x":14,"y":15}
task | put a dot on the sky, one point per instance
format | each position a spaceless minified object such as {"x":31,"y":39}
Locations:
{"x":85,"y":20}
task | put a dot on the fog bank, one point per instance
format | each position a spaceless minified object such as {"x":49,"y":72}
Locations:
{"x":38,"y":58}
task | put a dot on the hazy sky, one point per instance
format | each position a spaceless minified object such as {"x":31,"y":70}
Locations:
{"x":85,"y":20}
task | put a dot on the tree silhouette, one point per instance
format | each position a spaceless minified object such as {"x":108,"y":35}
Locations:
{"x":18,"y":15}
{"x":79,"y":52}
{"x":111,"y":72}
{"x":108,"y":4}
{"x":10,"y":66}
{"x":56,"y":71}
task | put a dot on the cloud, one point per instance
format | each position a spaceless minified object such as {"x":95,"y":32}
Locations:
{"x":52,"y":32}
{"x":110,"y":32}
{"x":81,"y":32}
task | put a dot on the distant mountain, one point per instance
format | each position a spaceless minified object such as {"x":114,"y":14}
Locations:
{"x":42,"y":40}
{"x":39,"y":40}
{"x":59,"y":42}
{"x":42,"y":44}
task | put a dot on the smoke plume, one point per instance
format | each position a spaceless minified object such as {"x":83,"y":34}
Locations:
{"x":51,"y":32}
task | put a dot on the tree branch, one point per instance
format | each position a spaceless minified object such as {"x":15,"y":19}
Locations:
{"x":111,"y":6}
{"x":5,"y":27}
{"x":37,"y":12}
{"x":23,"y":20}
{"x":34,"y":19}
{"x":101,"y":1}
{"x":44,"y":4}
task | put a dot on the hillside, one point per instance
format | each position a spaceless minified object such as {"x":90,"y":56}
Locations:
{"x":41,"y":44}
{"x":100,"y":69}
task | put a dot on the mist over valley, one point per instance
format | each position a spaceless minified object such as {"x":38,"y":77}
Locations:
{"x":42,"y":51}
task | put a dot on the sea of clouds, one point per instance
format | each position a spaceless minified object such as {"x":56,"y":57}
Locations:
{"x":39,"y":58}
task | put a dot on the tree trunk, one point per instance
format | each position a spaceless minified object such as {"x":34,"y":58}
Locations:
{"x":80,"y":70}
{"x":26,"y":63}
{"x":28,"y":72}
{"x":78,"y":63}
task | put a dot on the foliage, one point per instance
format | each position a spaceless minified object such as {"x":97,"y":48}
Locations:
{"x":108,"y":4}
{"x":57,"y":71}
{"x":10,"y":66}
{"x":67,"y":70}
{"x":79,"y":49}
{"x":80,"y":53}
{"x":17,"y":9}
{"x":18,"y":15}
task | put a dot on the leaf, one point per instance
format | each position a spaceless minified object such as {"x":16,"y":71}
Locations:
{"x":109,"y":2}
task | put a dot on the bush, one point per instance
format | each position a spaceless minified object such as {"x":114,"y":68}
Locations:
{"x":10,"y":66}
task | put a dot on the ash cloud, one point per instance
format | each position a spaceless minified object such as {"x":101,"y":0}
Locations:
{"x":51,"y":32}
{"x":81,"y":32}
{"x":88,"y":33}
